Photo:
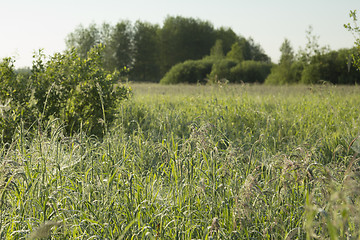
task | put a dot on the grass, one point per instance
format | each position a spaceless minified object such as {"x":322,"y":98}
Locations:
{"x":193,"y":162}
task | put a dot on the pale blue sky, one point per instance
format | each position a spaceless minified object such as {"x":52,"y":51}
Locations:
{"x":27,"y":25}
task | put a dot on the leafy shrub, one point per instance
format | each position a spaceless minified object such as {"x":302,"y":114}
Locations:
{"x":190,"y":71}
{"x":15,"y":94}
{"x":221,"y":69}
{"x":311,"y":74}
{"x":285,"y":74}
{"x":250,"y":72}
{"x":334,"y":67}
{"x":77,"y":91}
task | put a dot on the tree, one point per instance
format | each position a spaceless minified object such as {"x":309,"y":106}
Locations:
{"x":312,"y":48}
{"x":238,"y":51}
{"x":217,"y":50}
{"x":247,"y":50}
{"x":15,"y":94}
{"x":256,"y":52}
{"x":83,"y":39}
{"x":310,"y":59}
{"x":331,"y":67}
{"x":228,"y":38}
{"x":146,"y":52}
{"x":120,"y":45}
{"x":284,"y":72}
{"x":355,"y":30}
{"x":183,"y":39}
{"x":287,"y":53}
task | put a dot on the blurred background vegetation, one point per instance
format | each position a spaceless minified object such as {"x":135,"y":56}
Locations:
{"x":191,"y":50}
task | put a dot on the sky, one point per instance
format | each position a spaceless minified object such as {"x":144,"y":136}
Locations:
{"x":29,"y":25}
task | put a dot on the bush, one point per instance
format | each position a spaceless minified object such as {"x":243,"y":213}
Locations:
{"x":250,"y":72}
{"x":285,"y":74}
{"x":77,"y":91}
{"x":15,"y":94}
{"x":221,"y":69}
{"x":334,"y":67}
{"x":190,"y":71}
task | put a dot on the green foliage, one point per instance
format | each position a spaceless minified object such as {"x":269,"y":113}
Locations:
{"x":256,"y":51}
{"x":78,"y":91}
{"x":284,"y":73}
{"x":354,"y":28}
{"x":287,"y":53}
{"x":120,"y":48}
{"x":227,"y":36}
{"x":250,"y":72}
{"x":146,"y":53}
{"x":151,"y":51}
{"x":311,"y":74}
{"x":312,"y":47}
{"x":83,"y":39}
{"x":313,"y":65}
{"x":217,"y":51}
{"x":331,"y":67}
{"x":15,"y":97}
{"x":215,"y":70}
{"x":244,"y":49}
{"x":116,"y":39}
{"x":191,"y":71}
{"x":221,"y":70}
{"x":184,"y":39}
{"x":196,"y":162}
{"x":216,"y":67}
{"x":237,"y":52}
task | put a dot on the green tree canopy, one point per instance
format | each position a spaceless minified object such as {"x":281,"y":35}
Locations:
{"x":183,"y":39}
{"x":150,"y":51}
{"x":238,"y":51}
{"x":227,"y":36}
{"x":120,"y":45}
{"x":217,"y":50}
{"x":284,"y":72}
{"x":287,"y":53}
{"x":83,"y":39}
{"x":146,"y":52}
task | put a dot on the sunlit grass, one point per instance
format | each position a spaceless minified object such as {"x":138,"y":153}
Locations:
{"x":193,"y":162}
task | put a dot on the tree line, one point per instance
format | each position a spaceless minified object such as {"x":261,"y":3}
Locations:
{"x":192,"y":50}
{"x":314,"y":64}
{"x":150,"y":51}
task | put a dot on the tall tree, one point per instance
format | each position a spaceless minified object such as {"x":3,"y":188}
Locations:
{"x":287,"y":53}
{"x":83,"y":39}
{"x":227,"y":36}
{"x":184,"y":38}
{"x":237,"y":52}
{"x":284,"y":73}
{"x":146,"y":52}
{"x":256,"y":52}
{"x":217,"y":50}
{"x":120,"y":45}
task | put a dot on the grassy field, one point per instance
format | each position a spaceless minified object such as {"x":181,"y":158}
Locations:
{"x":193,"y":162}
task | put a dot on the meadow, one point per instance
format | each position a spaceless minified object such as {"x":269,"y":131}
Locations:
{"x":193,"y":162}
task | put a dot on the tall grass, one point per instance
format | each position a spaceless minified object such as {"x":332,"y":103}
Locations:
{"x":193,"y":162}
